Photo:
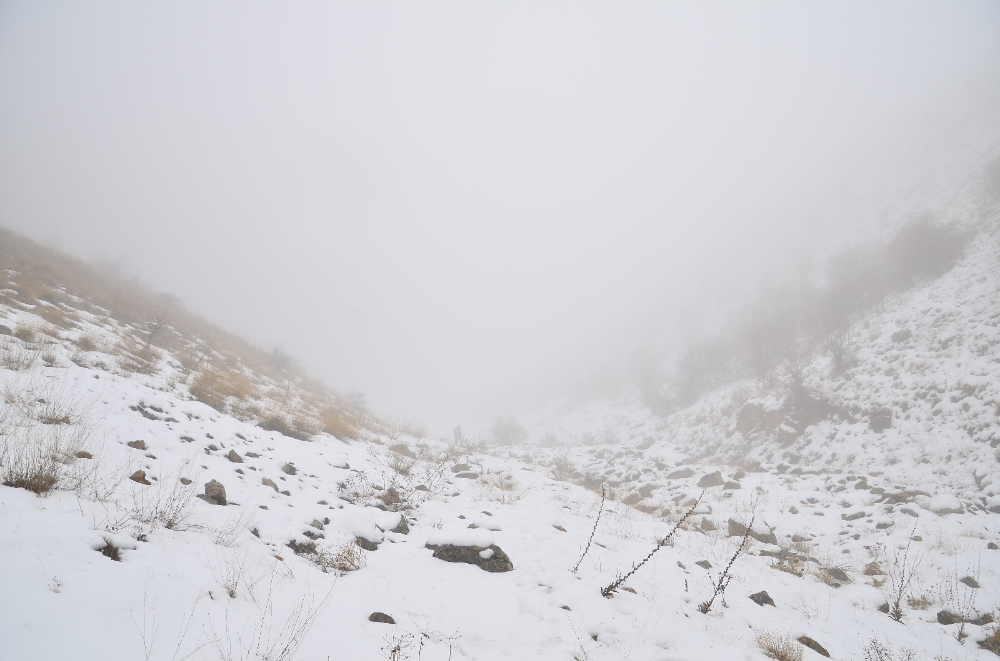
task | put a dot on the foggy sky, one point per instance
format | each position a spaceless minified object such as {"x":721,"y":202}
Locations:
{"x":447,"y":204}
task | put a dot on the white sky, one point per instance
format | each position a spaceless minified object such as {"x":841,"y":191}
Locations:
{"x":447,"y":204}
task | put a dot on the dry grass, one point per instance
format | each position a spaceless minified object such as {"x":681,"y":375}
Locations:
{"x":344,"y":557}
{"x":504,"y":488}
{"x":779,"y":646}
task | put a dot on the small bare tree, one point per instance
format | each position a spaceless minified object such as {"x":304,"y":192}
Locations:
{"x":719,"y":585}
{"x":900,"y":570}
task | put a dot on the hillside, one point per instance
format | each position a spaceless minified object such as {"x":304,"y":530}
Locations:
{"x":170,"y":492}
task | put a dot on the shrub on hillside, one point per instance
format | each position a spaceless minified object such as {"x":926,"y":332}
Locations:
{"x":506,"y":430}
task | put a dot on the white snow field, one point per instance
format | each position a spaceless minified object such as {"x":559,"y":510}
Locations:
{"x":889,"y":500}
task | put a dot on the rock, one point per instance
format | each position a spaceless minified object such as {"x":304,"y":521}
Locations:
{"x":253,"y":455}
{"x":882,"y":526}
{"x":879,"y":420}
{"x":814,"y":646}
{"x":403,"y":528}
{"x":268,"y":482}
{"x":854,"y":516}
{"x":799,"y":538}
{"x":185,"y":481}
{"x":421,"y":487}
{"x":215,"y":493}
{"x":288,"y":469}
{"x":140,"y":477}
{"x":317,"y":524}
{"x":754,"y":415}
{"x":737,"y":529}
{"x":971,"y":582}
{"x":83,"y":454}
{"x":707,"y":525}
{"x":884,"y":608}
{"x":468,"y":475}
{"x":302,"y":548}
{"x":947,"y":617}
{"x":680,"y":474}
{"x":138,"y":445}
{"x":460,"y":468}
{"x":704,"y":564}
{"x":381,"y":617}
{"x":862,"y":484}
{"x":945,"y":504}
{"x":559,"y":528}
{"x":711,"y":480}
{"x":739,"y":475}
{"x":212,"y":447}
{"x":731,"y":485}
{"x":909,"y":511}
{"x":5,"y":331}
{"x":837,"y":574}
{"x":403,"y":449}
{"x":235,"y":457}
{"x":491,"y":559}
{"x":902,"y":335}
{"x":761,"y":598}
{"x":992,"y":546}
{"x":366,"y":544}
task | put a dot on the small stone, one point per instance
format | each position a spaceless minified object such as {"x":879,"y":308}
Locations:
{"x":707,"y":525}
{"x":970,"y":581}
{"x":213,"y":447}
{"x":814,"y":646}
{"x":559,"y":528}
{"x":366,"y":544}
{"x":992,"y":546}
{"x":421,"y":487}
{"x":215,"y":493}
{"x":762,"y":598}
{"x":566,"y":608}
{"x":317,"y":524}
{"x":496,"y":562}
{"x":235,"y":457}
{"x":460,"y":468}
{"x":403,"y":449}
{"x":704,"y":564}
{"x":138,"y":445}
{"x":253,"y":455}
{"x":140,"y":477}
{"x":381,"y":617}
{"x":83,"y":454}
{"x":185,"y":481}
{"x":731,"y":485}
{"x":854,"y":516}
{"x":947,"y":617}
{"x":680,"y":474}
{"x":403,"y":528}
{"x":268,"y":482}
{"x":711,"y":480}
{"x":288,"y":469}
{"x":838,"y":574}
{"x":468,"y":475}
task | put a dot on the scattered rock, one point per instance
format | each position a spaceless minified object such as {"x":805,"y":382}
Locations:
{"x":737,"y":529}
{"x":814,"y":646}
{"x":381,"y":617}
{"x":992,"y":546}
{"x":854,"y":516}
{"x":873,"y":569}
{"x":253,"y":455}
{"x":268,"y":482}
{"x":559,"y":528}
{"x":761,"y":598}
{"x":837,"y":574}
{"x":704,"y":564}
{"x":707,"y":525}
{"x":215,"y":493}
{"x":366,"y":544}
{"x":403,"y":528}
{"x":421,"y":487}
{"x":711,"y":480}
{"x":140,"y":477}
{"x":460,"y":468}
{"x":213,"y":447}
{"x":317,"y":524}
{"x":971,"y":582}
{"x":138,"y":445}
{"x":882,"y":526}
{"x":83,"y":454}
{"x":902,"y":335}
{"x":185,"y":481}
{"x":739,"y":475}
{"x":5,"y":331}
{"x":731,"y":485}
{"x":468,"y":475}
{"x":403,"y":449}
{"x":946,"y":618}
{"x":799,"y":538}
{"x":305,"y":548}
{"x":884,"y":608}
{"x":945,"y":504}
{"x":680,"y":474}
{"x":879,"y":420}
{"x":288,"y":469}
{"x":566,"y":608}
{"x":235,"y":457}
{"x":491,"y":559}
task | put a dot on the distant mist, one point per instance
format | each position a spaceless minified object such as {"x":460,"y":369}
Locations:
{"x":462,"y":209}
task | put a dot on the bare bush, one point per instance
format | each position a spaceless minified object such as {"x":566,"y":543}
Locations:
{"x":779,"y":646}
{"x":900,"y":569}
{"x":506,"y":430}
{"x":876,"y":650}
{"x":345,"y":557}
{"x":502,"y":487}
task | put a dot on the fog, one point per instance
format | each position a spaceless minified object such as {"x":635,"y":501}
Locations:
{"x":467,"y":208}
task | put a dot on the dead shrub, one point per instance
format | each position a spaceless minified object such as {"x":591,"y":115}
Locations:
{"x":344,"y":557}
{"x":779,"y":646}
{"x":338,"y":424}
{"x":110,"y":550}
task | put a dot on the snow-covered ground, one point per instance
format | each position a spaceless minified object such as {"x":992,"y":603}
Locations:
{"x":890,"y":496}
